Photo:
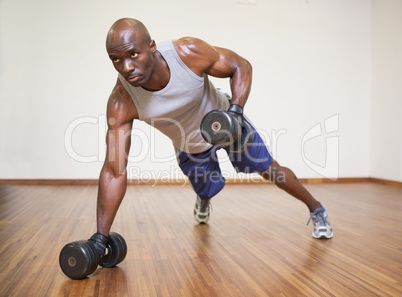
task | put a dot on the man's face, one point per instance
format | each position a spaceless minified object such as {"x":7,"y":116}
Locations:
{"x":132,"y":56}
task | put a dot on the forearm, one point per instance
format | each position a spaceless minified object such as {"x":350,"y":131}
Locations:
{"x":240,"y":83}
{"x":112,"y":189}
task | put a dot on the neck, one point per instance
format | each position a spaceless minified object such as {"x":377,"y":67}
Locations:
{"x":160,"y":76}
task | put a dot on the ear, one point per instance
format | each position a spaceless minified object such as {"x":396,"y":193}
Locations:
{"x":152,"y":46}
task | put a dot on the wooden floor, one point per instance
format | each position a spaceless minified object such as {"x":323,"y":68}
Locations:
{"x":256,"y":243}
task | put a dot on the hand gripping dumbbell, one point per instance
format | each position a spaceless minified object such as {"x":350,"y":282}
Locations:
{"x":227,"y":129}
{"x":79,"y":259}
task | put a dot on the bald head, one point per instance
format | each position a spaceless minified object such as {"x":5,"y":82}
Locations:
{"x":133,"y":53}
{"x":124,"y":28}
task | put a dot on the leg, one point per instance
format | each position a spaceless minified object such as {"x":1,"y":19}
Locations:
{"x":205,"y":176}
{"x":257,"y":159}
{"x":285,"y":179}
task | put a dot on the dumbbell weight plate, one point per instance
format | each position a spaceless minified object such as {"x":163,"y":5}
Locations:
{"x":78,"y":259}
{"x":219,"y":128}
{"x":117,"y":250}
{"x":123,"y":247}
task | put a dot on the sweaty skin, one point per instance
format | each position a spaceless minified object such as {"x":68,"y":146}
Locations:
{"x":134,"y":56}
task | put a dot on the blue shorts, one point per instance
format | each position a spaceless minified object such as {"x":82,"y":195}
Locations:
{"x":203,"y":169}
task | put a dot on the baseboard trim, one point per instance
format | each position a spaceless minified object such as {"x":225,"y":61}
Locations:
{"x":50,"y":182}
{"x":153,"y":182}
{"x":386,"y":182}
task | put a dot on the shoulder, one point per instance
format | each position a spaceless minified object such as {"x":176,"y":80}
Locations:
{"x":192,"y":46}
{"x":197,"y":54}
{"x":120,"y":106}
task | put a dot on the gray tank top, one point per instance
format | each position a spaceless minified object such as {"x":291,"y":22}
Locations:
{"x":177,"y":109}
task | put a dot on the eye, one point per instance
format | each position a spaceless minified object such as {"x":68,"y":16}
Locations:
{"x":133,"y":55}
{"x":114,"y":59}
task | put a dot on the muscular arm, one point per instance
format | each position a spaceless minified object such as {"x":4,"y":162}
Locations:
{"x":113,"y":177}
{"x":202,"y":58}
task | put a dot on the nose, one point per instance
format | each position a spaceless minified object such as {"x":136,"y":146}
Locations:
{"x":128,"y":66}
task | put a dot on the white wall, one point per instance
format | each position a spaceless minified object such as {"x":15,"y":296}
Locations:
{"x":311,"y":58}
{"x":386,"y":119}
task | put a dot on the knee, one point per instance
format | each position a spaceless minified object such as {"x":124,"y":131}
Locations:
{"x":275,"y":173}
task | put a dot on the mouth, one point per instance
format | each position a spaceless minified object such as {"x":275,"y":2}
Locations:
{"x":132,"y":78}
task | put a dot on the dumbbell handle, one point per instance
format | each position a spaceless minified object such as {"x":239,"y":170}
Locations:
{"x":100,"y":242}
{"x":235,"y":108}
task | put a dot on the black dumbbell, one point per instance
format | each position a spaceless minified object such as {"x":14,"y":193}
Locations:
{"x":79,"y":259}
{"x":222,"y":129}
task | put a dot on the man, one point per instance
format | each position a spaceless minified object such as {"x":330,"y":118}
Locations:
{"x":168,"y":87}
